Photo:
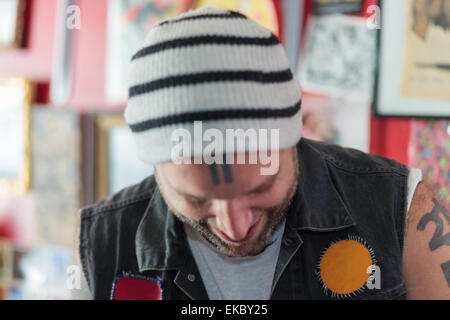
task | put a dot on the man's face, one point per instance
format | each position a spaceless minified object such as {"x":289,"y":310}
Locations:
{"x":238,"y":217}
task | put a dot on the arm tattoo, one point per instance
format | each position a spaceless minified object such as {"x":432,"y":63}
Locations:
{"x":446,"y":270}
{"x":226,"y":172}
{"x":438,"y":239}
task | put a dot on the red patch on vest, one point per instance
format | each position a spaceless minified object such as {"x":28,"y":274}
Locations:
{"x":132,"y":287}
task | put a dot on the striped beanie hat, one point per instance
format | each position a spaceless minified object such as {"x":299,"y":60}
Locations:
{"x":215,"y":66}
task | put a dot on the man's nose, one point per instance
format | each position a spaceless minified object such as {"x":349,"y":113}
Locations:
{"x":233,"y":219}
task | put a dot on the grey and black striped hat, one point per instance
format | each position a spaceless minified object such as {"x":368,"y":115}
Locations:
{"x":215,"y":66}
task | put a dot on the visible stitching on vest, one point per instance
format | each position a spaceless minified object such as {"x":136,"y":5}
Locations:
{"x":326,"y":290}
{"x":344,"y":166}
{"x":362,"y":171}
{"x":93,"y":211}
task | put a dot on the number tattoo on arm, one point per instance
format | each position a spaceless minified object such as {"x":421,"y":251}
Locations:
{"x":438,"y":239}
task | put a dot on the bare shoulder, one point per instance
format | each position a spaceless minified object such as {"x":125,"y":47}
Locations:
{"x":426,"y":255}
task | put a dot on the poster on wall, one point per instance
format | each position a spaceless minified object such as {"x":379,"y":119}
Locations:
{"x":429,"y":150}
{"x":116,"y":159}
{"x":338,"y":57}
{"x":128,"y":23}
{"x":56,"y":173}
{"x":426,"y":68}
{"x":123,"y":169}
{"x":337,"y":6}
{"x":413,"y":78}
{"x":12,"y":18}
{"x":335,"y":68}
{"x":261,"y":11}
{"x":15,"y":107}
{"x":338,"y":120}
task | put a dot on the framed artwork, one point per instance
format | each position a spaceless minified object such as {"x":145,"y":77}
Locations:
{"x":116,"y":160}
{"x":338,"y":120}
{"x":10,"y":256}
{"x":262,"y":11}
{"x":429,"y":150}
{"x":12,"y":19}
{"x":6,"y":268}
{"x":337,"y":6}
{"x":338,"y":58}
{"x":128,"y":23}
{"x":88,"y":158}
{"x":56,"y":173}
{"x":15,"y":107}
{"x":414,"y":62}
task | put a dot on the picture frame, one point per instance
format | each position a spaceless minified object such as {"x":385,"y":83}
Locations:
{"x":322,"y":7}
{"x":12,"y":21}
{"x":10,"y":256}
{"x":127,"y":25}
{"x":262,"y":11}
{"x":413,"y":74}
{"x":6,"y":263}
{"x":15,"y":121}
{"x":116,"y":160}
{"x":338,"y":56}
{"x":56,"y":172}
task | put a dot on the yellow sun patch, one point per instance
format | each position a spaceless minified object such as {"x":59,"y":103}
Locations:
{"x":343,"y":267}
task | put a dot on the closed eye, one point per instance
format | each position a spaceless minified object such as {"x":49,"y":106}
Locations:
{"x":196,"y":201}
{"x":263,"y":187}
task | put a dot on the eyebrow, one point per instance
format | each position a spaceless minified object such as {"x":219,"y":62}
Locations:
{"x":263,"y":186}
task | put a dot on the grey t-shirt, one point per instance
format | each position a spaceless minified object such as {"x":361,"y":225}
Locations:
{"x":247,"y":278}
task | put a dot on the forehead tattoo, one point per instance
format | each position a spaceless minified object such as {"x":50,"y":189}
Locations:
{"x":214,"y":174}
{"x":226,"y":172}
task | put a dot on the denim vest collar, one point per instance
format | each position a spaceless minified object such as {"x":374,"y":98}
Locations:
{"x":317,"y":206}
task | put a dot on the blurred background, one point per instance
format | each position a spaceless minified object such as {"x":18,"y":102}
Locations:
{"x":375,"y":77}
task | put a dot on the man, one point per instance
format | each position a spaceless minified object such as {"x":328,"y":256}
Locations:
{"x":280,"y":217}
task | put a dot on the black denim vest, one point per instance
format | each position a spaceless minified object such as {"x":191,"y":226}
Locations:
{"x":341,"y":193}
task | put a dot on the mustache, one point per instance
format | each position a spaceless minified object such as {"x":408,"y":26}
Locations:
{"x":275,"y":216}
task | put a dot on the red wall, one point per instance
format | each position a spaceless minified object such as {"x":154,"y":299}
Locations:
{"x":90,"y":55}
{"x":389,"y":136}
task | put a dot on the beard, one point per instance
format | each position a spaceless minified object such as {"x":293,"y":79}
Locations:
{"x":274,"y":218}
